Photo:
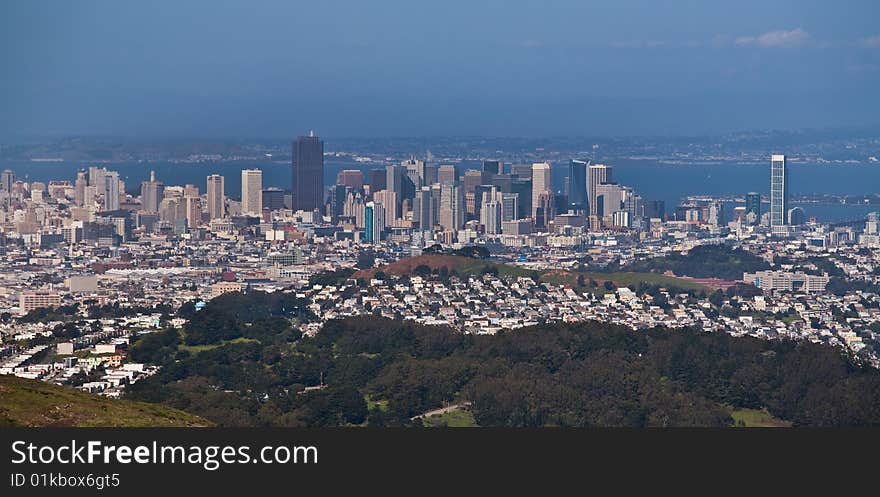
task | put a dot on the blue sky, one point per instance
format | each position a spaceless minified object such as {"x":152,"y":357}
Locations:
{"x":374,"y":68}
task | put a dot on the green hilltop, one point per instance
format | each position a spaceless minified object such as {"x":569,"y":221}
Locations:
{"x":32,"y":403}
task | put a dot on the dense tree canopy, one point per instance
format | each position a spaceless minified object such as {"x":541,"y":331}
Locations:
{"x":704,"y":261}
{"x":376,"y":371}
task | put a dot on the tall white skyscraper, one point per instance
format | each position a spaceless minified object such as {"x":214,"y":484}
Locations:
{"x":451,"y":207}
{"x":216,"y":196}
{"x":252,"y":192}
{"x":778,"y":194}
{"x":541,"y":183}
{"x":491,"y":211}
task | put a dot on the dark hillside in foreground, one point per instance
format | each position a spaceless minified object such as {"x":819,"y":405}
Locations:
{"x":388,"y":373}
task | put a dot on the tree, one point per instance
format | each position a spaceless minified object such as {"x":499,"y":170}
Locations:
{"x":717,"y":298}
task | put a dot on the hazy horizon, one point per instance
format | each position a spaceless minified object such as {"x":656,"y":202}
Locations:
{"x":356,"y":69}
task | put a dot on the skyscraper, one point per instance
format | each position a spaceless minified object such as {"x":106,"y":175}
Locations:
{"x":753,"y":204}
{"x":111,"y":191}
{"x":193,"y":211}
{"x":252,"y":192}
{"x":374,"y":222}
{"x":423,"y":209}
{"x":351,"y":178}
{"x":151,"y":194}
{"x":451,"y":206}
{"x":493,"y":167}
{"x":216,"y":196}
{"x":597,"y":174}
{"x":79,"y":188}
{"x":273,"y":198}
{"x":577,"y":184}
{"x":308,"y":173}
{"x":447,"y":174}
{"x":490,"y":212}
{"x":541,"y":183}
{"x":7,"y":179}
{"x":778,"y":194}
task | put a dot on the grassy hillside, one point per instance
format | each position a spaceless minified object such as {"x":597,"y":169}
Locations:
{"x":32,"y":403}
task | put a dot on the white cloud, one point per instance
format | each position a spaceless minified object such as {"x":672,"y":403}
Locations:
{"x":775,"y":39}
{"x":871,"y":41}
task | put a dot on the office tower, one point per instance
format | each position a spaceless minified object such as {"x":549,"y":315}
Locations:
{"x":273,"y":198}
{"x":521,"y":171}
{"x":715,"y":214}
{"x":152,"y":192}
{"x":398,"y":182}
{"x":778,"y":194}
{"x":796,"y":216}
{"x":509,"y":202}
{"x":493,"y":167}
{"x":504,"y":182}
{"x":431,"y":171}
{"x":190,"y":190}
{"x":523,"y":188}
{"x":374,"y":222}
{"x":171,"y":209}
{"x":338,"y":195}
{"x":545,"y":208}
{"x":480,"y":193}
{"x":252,"y":192}
{"x":451,"y":207}
{"x":308,"y":173}
{"x":655,"y":209}
{"x":415,"y":171}
{"x":111,"y":191}
{"x":423,"y":209}
{"x":377,"y":180}
{"x":577,"y":184}
{"x":491,"y":212}
{"x":872,"y":224}
{"x":447,"y":174}
{"x":472,"y":178}
{"x":394,"y":178}
{"x":193,"y":211}
{"x":91,"y":192}
{"x":351,"y":178}
{"x":216,"y":196}
{"x":597,"y":174}
{"x":753,"y":204}
{"x":79,"y":188}
{"x":96,"y":178}
{"x":389,"y":201}
{"x":541,"y":183}
{"x":7,"y":179}
{"x":610,"y":198}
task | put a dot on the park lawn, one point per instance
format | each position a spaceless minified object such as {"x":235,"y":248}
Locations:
{"x":621,"y":279}
{"x":757,"y":418}
{"x":459,"y":418}
{"x":195,"y":349}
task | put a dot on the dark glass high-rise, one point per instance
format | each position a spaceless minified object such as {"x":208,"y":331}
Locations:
{"x":308,"y":173}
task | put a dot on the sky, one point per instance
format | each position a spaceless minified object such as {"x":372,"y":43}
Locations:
{"x":355,"y":68}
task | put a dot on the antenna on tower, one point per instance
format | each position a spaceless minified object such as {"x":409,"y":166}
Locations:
{"x":311,"y":133}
